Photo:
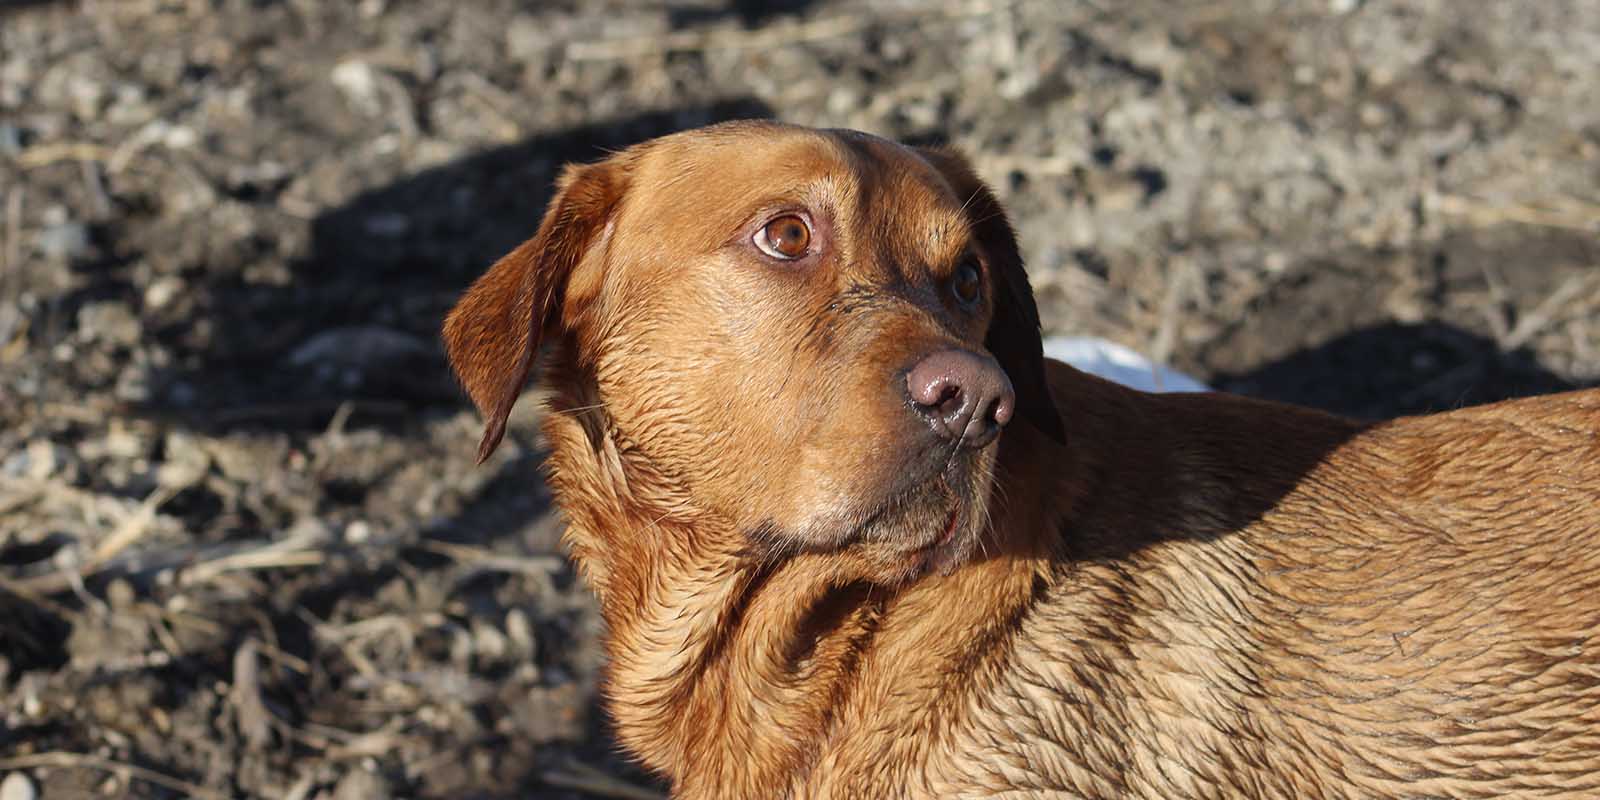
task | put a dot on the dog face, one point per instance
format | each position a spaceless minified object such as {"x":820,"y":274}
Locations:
{"x":815,"y":334}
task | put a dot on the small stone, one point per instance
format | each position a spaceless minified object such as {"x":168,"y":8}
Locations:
{"x":18,"y":786}
{"x":121,"y":595}
{"x":359,"y":784}
{"x":526,"y":38}
{"x":186,"y":462}
{"x":10,"y":139}
{"x":519,"y":630}
{"x":357,"y":532}
{"x":359,"y":82}
{"x":120,"y":442}
{"x":309,"y":530}
{"x":366,"y":346}
{"x":41,"y":459}
{"x":162,"y":291}
{"x":388,"y":225}
{"x":178,"y":137}
{"x":133,"y":386}
{"x":111,"y":322}
{"x":842,"y":100}
{"x":64,"y":241}
{"x":488,"y":642}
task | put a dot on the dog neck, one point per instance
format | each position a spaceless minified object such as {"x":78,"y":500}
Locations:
{"x":716,"y":657}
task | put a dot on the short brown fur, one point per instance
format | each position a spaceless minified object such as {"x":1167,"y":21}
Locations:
{"x":1144,"y":596}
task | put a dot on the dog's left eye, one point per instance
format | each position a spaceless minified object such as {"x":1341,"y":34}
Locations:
{"x":966,"y":283}
{"x":788,"y":237}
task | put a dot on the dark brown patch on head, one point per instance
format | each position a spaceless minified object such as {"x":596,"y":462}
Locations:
{"x":1013,"y":335}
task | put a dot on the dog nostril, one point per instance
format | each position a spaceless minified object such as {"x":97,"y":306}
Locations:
{"x":1004,"y":407}
{"x":949,"y":401}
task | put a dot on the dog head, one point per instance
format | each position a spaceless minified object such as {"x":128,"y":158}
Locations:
{"x":817,"y":335}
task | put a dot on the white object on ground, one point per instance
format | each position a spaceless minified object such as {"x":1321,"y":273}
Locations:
{"x":1114,"y":362}
{"x":16,"y":786}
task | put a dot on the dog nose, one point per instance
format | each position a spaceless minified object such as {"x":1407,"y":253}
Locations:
{"x":966,"y":397}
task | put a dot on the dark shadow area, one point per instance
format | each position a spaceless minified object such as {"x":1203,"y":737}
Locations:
{"x":1393,"y":370}
{"x":357,"y":325}
{"x":18,"y":5}
{"x":751,"y":13}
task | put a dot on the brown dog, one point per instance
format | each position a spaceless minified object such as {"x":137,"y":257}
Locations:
{"x":780,"y":360}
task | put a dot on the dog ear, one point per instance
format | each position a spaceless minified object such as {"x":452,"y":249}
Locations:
{"x":1013,"y":335}
{"x":492,"y":335}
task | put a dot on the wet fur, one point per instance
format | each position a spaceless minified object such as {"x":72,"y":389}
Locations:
{"x":1162,"y":596}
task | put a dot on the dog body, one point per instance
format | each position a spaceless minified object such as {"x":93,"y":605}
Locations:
{"x":780,"y":362}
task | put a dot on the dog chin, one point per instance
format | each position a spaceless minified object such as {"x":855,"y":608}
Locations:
{"x":934,"y":529}
{"x":931,"y":526}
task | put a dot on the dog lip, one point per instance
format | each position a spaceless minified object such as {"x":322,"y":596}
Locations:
{"x":944,"y":553}
{"x":951,"y":524}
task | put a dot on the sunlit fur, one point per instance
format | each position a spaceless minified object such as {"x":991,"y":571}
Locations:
{"x":1147,"y":596}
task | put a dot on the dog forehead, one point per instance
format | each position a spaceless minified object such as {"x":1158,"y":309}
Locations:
{"x":707,"y":180}
{"x":906,"y":199}
{"x":711,"y":180}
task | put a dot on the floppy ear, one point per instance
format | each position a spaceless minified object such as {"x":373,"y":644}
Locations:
{"x":492,"y":335}
{"x":1013,"y":335}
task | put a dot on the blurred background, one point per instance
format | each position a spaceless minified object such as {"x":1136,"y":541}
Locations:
{"x":244,"y":551}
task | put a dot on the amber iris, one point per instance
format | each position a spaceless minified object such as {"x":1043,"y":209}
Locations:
{"x":966,"y":283}
{"x":785,"y":237}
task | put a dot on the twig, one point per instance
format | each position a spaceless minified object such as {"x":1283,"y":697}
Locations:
{"x":336,"y":425}
{"x":13,"y":243}
{"x":96,"y":188}
{"x":233,"y":415}
{"x":65,"y":760}
{"x":1494,"y":311}
{"x":1534,"y":321}
{"x":11,"y":273}
{"x":372,"y":743}
{"x":207,"y":564}
{"x":270,"y":557}
{"x":323,"y":631}
{"x":54,"y":152}
{"x":38,"y":599}
{"x":1576,"y":216}
{"x":493,"y":100}
{"x":1180,"y":277}
{"x":584,"y":778}
{"x":89,"y":410}
{"x":133,"y":527}
{"x":491,"y":561}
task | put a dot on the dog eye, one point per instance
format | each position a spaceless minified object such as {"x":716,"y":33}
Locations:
{"x":787,"y":237}
{"x":966,"y":283}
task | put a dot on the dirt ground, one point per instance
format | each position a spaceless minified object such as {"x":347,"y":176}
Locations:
{"x":244,"y":551}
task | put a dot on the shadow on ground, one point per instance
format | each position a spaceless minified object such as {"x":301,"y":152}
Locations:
{"x":1393,"y":370}
{"x":358,"y":323}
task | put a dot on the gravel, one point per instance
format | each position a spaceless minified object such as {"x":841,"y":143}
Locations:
{"x":230,"y":231}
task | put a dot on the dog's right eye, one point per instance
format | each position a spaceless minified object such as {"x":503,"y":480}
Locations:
{"x":788,"y":237}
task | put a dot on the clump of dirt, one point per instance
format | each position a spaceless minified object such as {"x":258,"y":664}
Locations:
{"x":244,"y":549}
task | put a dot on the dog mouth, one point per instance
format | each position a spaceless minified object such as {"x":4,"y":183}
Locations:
{"x":930,"y":525}
{"x":944,"y":551}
